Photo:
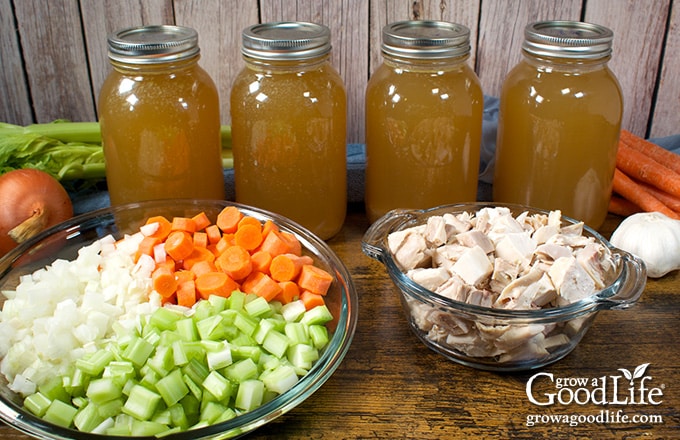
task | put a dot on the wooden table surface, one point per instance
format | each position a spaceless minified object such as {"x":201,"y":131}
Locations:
{"x":390,"y":386}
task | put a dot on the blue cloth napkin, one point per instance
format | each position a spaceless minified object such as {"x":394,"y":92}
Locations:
{"x":356,"y":163}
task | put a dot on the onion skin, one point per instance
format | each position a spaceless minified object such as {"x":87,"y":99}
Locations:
{"x":30,"y":202}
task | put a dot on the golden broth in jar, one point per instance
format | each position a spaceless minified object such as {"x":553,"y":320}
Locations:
{"x":289,"y":133}
{"x":558,"y":131}
{"x":423,"y":120}
{"x":161,"y":127}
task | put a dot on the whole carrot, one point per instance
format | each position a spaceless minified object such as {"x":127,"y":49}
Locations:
{"x":623,"y":207}
{"x":635,"y":193}
{"x":652,"y":150}
{"x":641,"y":167}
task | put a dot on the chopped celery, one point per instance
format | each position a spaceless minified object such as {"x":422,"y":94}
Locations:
{"x":172,"y":387}
{"x":178,"y":370}
{"x":249,"y":394}
{"x":37,"y":403}
{"x":60,"y":413}
{"x":141,"y":403}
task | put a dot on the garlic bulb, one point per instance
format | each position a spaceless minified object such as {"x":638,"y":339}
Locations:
{"x":654,"y":238}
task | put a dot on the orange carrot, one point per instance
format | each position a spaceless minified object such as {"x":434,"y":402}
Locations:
{"x":146,"y":246}
{"x":249,"y":220}
{"x":269,"y":226}
{"x":652,"y":150}
{"x":235,"y":262}
{"x":279,"y":242}
{"x":623,"y":207}
{"x":228,"y":218}
{"x":248,"y":236}
{"x":164,"y":226}
{"x":311,"y":299}
{"x":183,"y":275}
{"x":629,"y":189}
{"x":169,"y":263}
{"x":294,"y":245}
{"x":262,"y":285}
{"x":215,"y":283}
{"x":261,"y":261}
{"x":214,"y":234}
{"x":667,"y":199}
{"x":203,"y":266}
{"x":639,"y":166}
{"x":314,"y":279}
{"x":286,"y":267}
{"x":201,"y":221}
{"x":179,"y":245}
{"x":226,"y":241}
{"x":289,"y":292}
{"x":164,"y":281}
{"x":186,"y":293}
{"x":200,"y":239}
{"x":196,"y":255}
{"x":183,"y":224}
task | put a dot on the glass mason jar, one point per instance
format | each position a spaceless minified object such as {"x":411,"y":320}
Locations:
{"x":559,"y":122}
{"x":160,"y":118}
{"x":289,"y":126}
{"x":424,"y":109}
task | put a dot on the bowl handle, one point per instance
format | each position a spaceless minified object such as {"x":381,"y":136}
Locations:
{"x":372,"y":241}
{"x":630,"y":286}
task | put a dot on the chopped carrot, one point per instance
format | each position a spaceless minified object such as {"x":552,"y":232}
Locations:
{"x":286,"y":267}
{"x":164,"y":226}
{"x":169,"y":263}
{"x":183,"y":224}
{"x":639,"y":166}
{"x":196,"y":255}
{"x":164,"y":281}
{"x":228,"y":218}
{"x":249,"y":220}
{"x":201,"y":221}
{"x":262,"y":285}
{"x":623,"y":207}
{"x":314,"y":279}
{"x":281,"y":242}
{"x":289,"y":292}
{"x":311,"y":299}
{"x":658,"y":153}
{"x":146,"y":246}
{"x":203,"y":266}
{"x":248,"y":236}
{"x":269,"y":226}
{"x":200,"y":239}
{"x":179,"y":245}
{"x":261,"y":261}
{"x":215,"y":283}
{"x":183,"y":275}
{"x":186,"y":293}
{"x":632,"y":191}
{"x":226,"y":241}
{"x":214,"y":234}
{"x":235,"y":262}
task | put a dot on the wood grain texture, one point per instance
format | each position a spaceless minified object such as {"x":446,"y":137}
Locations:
{"x":57,"y":70}
{"x":639,"y":29}
{"x":14,"y":97}
{"x":102,"y":18}
{"x":666,"y":112}
{"x":501,"y":34}
{"x":390,"y":386}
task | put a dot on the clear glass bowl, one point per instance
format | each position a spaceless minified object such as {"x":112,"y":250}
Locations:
{"x":565,"y":325}
{"x":63,"y":241}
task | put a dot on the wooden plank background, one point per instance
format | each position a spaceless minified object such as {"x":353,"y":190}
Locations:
{"x":53,"y":53}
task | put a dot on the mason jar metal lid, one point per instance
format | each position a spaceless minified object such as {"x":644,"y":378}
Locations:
{"x":568,"y":39}
{"x":289,"y":40}
{"x":425,"y":39}
{"x":153,"y":44}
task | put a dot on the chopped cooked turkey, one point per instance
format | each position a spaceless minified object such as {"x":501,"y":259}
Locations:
{"x":494,"y":259}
